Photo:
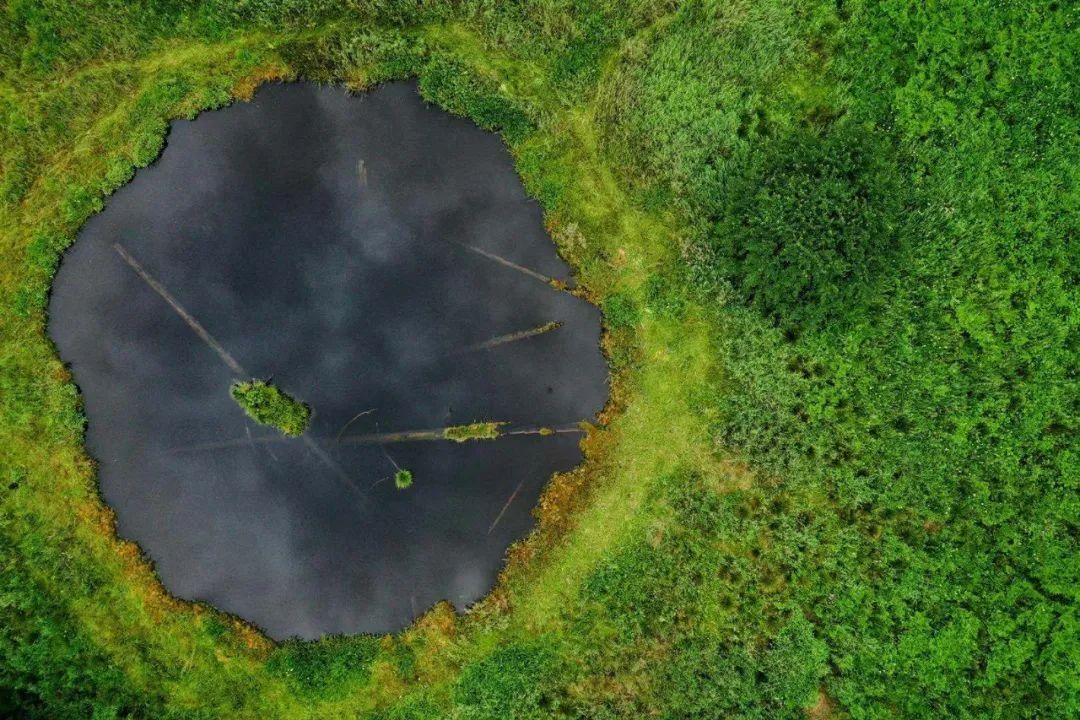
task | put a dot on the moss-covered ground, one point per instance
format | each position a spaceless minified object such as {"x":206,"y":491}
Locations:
{"x":473,"y":431}
{"x":834,"y":244}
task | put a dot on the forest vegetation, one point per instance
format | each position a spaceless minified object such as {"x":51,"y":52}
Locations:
{"x":834,"y":243}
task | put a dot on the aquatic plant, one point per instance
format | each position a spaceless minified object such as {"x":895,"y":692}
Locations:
{"x":268,"y":404}
{"x":473,"y":431}
{"x":403,"y":478}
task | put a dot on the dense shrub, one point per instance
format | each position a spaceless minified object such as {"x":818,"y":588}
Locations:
{"x":48,"y":668}
{"x":513,"y":683}
{"x":268,"y":404}
{"x":403,"y":479}
{"x":325,"y":668}
{"x":375,"y":56}
{"x":457,"y":89}
{"x":806,"y":231}
{"x":884,"y":242}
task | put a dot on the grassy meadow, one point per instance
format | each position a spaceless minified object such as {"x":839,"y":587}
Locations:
{"x":835,"y":248}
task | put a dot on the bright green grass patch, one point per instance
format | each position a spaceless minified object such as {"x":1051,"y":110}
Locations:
{"x":403,"y":479}
{"x":270,"y":405}
{"x":473,"y":431}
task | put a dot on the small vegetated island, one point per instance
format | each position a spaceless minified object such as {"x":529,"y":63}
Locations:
{"x":474,"y":431}
{"x":267,"y":404}
{"x":403,"y":479}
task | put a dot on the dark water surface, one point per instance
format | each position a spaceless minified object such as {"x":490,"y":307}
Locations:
{"x":318,"y":238}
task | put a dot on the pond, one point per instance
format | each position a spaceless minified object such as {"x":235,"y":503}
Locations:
{"x":375,"y":258}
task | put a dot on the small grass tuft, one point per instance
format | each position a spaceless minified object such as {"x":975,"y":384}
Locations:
{"x":269,"y":405}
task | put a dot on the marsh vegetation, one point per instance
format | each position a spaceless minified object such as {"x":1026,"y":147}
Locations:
{"x":356,"y":305}
{"x":267,"y":404}
{"x":403,"y":479}
{"x":473,"y":431}
{"x":834,"y":246}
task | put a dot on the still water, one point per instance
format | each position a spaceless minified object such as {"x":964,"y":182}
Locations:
{"x":375,"y":256}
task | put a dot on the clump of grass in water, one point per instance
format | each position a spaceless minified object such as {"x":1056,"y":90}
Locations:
{"x":267,"y":404}
{"x":403,"y":479}
{"x":474,"y":431}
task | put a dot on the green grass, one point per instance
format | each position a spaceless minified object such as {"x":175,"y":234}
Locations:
{"x":473,"y":431}
{"x":831,"y":245}
{"x":268,"y":404}
{"x":403,"y":479}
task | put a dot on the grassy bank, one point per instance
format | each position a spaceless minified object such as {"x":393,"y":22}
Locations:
{"x":838,"y":473}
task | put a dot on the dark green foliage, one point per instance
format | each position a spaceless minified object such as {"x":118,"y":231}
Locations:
{"x":327,"y":667}
{"x":620,"y":312}
{"x":793,"y":666}
{"x":704,"y":681}
{"x":457,"y":89}
{"x":412,"y":707}
{"x":634,"y":591}
{"x":380,"y":56}
{"x":578,"y":63}
{"x":513,"y":683}
{"x":48,"y":669}
{"x":267,"y":404}
{"x":49,"y":34}
{"x":667,"y":295}
{"x":806,"y":231}
{"x":621,"y":317}
{"x":724,"y":563}
{"x":894,"y":228}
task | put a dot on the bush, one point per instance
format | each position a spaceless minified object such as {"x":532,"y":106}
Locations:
{"x":513,"y":683}
{"x":805,"y":232}
{"x":460,"y":91}
{"x":266,"y":404}
{"x":324,"y":668}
